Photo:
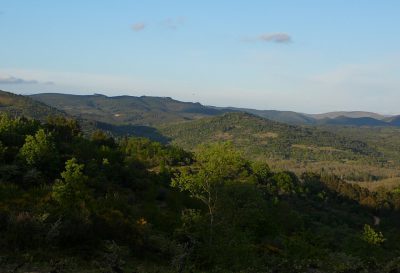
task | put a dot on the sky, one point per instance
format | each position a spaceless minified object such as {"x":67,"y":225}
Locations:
{"x":307,"y":56}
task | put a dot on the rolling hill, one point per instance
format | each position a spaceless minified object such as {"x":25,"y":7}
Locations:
{"x":260,"y":137}
{"x":151,"y":111}
{"x":348,"y":114}
{"x":348,"y":121}
{"x":288,"y":117}
{"x":121,"y":110}
{"x":18,"y":105}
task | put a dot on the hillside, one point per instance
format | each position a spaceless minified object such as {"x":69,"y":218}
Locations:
{"x":289,"y":147}
{"x":18,"y":105}
{"x":126,"y":109}
{"x":262,"y":137}
{"x":289,"y":117}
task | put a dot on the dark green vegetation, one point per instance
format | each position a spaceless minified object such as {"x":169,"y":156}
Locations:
{"x":75,"y":204}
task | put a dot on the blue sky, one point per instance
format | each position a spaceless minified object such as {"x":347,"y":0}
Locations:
{"x":307,"y":56}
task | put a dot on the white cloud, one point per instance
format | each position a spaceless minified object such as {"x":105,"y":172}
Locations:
{"x":15,"y":80}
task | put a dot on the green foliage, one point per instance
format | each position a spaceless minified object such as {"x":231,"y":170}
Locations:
{"x":153,"y":153}
{"x":71,"y":192}
{"x":14,"y":131}
{"x":134,"y":205}
{"x":214,"y":166}
{"x":39,"y":151}
{"x":371,"y":236}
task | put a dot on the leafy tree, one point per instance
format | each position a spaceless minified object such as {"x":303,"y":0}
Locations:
{"x":215,"y":165}
{"x":71,"y":192}
{"x":39,"y":151}
{"x":63,"y":129}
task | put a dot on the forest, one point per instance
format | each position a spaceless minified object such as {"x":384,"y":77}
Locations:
{"x":76,"y":203}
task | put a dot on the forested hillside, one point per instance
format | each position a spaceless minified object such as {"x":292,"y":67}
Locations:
{"x":75,"y":204}
{"x":18,"y":105}
{"x":290,"y":147}
{"x":265,"y":137}
{"x":126,"y":110}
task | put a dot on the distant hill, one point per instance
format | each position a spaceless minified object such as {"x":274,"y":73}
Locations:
{"x":352,"y":118}
{"x":260,"y":137}
{"x":289,"y":117}
{"x":393,"y":121}
{"x":127,"y":109}
{"x":153,"y":111}
{"x":348,"y":114}
{"x":347,"y":121}
{"x":18,"y":105}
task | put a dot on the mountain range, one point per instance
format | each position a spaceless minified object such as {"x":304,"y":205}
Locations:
{"x":146,"y":110}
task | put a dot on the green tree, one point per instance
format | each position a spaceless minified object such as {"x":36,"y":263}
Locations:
{"x":39,"y":151}
{"x":71,"y":192}
{"x":215,"y":165}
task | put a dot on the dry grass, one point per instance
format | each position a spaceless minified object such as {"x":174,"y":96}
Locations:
{"x":315,"y":148}
{"x":223,"y":136}
{"x":266,"y":135}
{"x":388,"y":184}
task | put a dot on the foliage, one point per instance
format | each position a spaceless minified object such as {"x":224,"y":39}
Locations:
{"x":134,"y":205}
{"x":39,"y":151}
{"x":371,"y":236}
{"x":71,"y":191}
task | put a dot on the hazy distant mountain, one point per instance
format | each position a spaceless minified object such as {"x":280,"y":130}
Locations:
{"x":127,"y":109}
{"x":394,"y":121}
{"x":349,"y":114}
{"x":352,"y":118}
{"x":347,"y":121}
{"x":18,"y":105}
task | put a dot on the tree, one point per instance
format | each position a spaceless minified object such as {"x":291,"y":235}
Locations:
{"x":215,"y":165}
{"x":71,"y":192}
{"x":371,"y":236}
{"x":39,"y":151}
{"x":63,"y":129}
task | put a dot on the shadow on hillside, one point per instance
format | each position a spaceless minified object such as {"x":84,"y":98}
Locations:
{"x":134,"y":130}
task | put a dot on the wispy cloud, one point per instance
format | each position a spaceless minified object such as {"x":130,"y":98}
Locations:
{"x":15,"y":80}
{"x":138,"y":26}
{"x":173,"y":23}
{"x":280,"y":38}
